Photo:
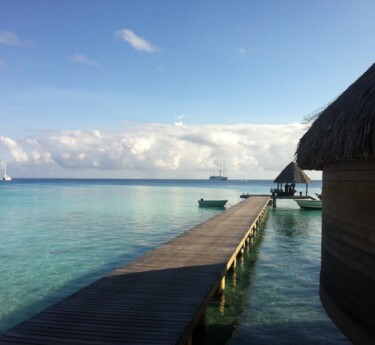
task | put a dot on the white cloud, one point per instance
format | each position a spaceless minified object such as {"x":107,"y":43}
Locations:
{"x":81,"y":58}
{"x":242,"y":51}
{"x":14,"y":149}
{"x":179,"y":120}
{"x":11,"y":39}
{"x":136,"y":41}
{"x":159,"y":150}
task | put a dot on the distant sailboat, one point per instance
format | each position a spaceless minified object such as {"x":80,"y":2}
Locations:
{"x":6,"y":177}
{"x":219,"y":171}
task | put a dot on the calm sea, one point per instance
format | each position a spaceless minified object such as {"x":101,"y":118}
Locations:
{"x":59,"y":235}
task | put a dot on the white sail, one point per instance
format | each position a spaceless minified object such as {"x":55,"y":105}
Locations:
{"x":6,"y":177}
{"x":219,"y":171}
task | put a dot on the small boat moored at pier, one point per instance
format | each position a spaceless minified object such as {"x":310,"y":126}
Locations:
{"x":310,"y":204}
{"x":212,"y":203}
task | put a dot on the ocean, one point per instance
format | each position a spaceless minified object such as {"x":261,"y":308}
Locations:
{"x":59,"y":235}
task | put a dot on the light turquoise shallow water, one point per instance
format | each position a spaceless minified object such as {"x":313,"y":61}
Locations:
{"x":281,"y":305}
{"x":59,"y":235}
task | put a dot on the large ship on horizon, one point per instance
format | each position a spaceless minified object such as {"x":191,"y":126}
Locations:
{"x":219,"y":171}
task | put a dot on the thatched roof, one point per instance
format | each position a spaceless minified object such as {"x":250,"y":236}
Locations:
{"x":345,"y":130}
{"x":292,"y":174}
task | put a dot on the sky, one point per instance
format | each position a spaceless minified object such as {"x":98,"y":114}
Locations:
{"x":162,"y":89}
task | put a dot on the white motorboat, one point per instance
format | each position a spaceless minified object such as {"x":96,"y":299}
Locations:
{"x":311,"y":204}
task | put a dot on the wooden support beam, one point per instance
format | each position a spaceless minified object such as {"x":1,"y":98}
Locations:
{"x":222,"y":285}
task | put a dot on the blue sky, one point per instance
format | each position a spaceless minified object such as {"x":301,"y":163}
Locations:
{"x":105,"y":70}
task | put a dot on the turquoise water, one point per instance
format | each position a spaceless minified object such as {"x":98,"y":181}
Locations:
{"x":59,"y":235}
{"x":281,"y":305}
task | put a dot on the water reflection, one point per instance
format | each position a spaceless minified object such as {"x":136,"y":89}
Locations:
{"x":223,"y":313}
{"x":272,"y":297}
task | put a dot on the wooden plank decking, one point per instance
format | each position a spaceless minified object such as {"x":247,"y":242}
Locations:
{"x":158,"y":299}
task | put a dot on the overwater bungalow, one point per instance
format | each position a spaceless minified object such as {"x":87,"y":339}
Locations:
{"x":291,"y":175}
{"x":341,"y":142}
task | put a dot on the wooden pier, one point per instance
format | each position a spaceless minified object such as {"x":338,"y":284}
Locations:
{"x":158,"y":299}
{"x":274,"y":197}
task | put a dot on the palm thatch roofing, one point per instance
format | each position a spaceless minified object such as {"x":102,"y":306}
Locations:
{"x":345,"y":130}
{"x":292,"y":173}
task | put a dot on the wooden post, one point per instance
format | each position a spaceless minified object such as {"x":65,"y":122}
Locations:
{"x":222,"y":285}
{"x":234,"y":277}
{"x":274,"y":200}
{"x":222,"y":304}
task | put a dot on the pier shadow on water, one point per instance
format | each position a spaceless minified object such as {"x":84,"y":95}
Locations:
{"x":282,"y":302}
{"x":273,"y":299}
{"x":224,"y":311}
